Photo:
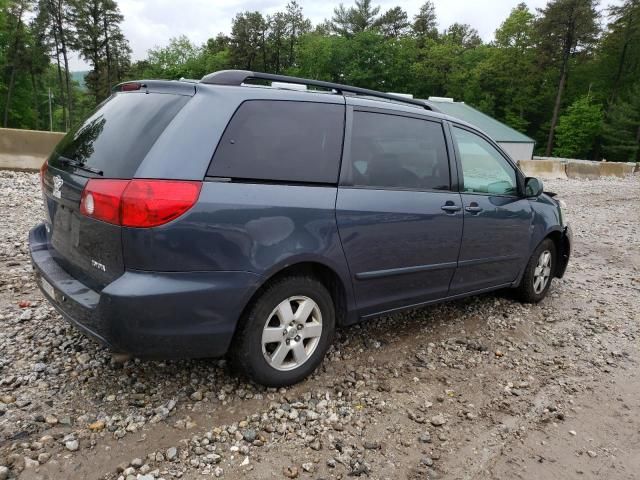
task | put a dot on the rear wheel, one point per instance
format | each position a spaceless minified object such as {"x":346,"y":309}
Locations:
{"x":538,"y":275}
{"x":286,"y":332}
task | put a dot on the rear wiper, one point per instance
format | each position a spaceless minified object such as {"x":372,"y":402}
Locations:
{"x":79,"y":165}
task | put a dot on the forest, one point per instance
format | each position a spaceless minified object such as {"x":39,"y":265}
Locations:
{"x":567,"y":75}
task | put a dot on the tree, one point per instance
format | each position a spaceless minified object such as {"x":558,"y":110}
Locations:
{"x":620,"y":47}
{"x":621,"y":131}
{"x":100,"y":41}
{"x":564,"y":28}
{"x":57,"y":14}
{"x":578,"y":128}
{"x":247,"y":46}
{"x":352,"y":20}
{"x":394,"y":23}
{"x":297,"y":25}
{"x":425,"y":24}
{"x":15,"y":52}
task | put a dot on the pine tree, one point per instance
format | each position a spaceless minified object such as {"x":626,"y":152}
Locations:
{"x":621,"y":132}
{"x":100,"y":42}
{"x":565,"y":28}
{"x":425,"y":24}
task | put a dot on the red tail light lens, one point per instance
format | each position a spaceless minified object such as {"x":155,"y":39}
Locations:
{"x":149,"y":203}
{"x":101,"y":199}
{"x":138,"y":203}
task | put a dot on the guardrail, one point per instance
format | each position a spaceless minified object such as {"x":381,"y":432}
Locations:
{"x":26,"y":149}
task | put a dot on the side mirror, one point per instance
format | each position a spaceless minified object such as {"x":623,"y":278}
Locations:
{"x":533,"y":187}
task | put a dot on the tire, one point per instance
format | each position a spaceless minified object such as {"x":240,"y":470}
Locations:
{"x":529,"y":290}
{"x":296,"y":350}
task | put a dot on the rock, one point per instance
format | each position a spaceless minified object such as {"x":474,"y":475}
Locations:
{"x":25,"y":315}
{"x":426,"y":461}
{"x":97,"y":426}
{"x":171,"y":454}
{"x":7,"y":399}
{"x":72,"y":445}
{"x":249,"y":435}
{"x":290,"y":472}
{"x":4,"y":473}
{"x":39,"y":367}
{"x":308,"y":467}
{"x":331,"y":463}
{"x":245,"y":462}
{"x":44,"y":457}
{"x":438,"y":420}
{"x":572,"y":432}
{"x":196,"y":396}
{"x":371,"y":445}
{"x":218,"y":472}
{"x":136,"y":463}
{"x":425,"y":437}
{"x":592,"y":454}
{"x":30,"y":463}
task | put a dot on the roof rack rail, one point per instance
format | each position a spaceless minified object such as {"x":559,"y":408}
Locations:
{"x":238,"y":77}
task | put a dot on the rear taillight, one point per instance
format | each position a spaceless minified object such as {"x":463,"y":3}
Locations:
{"x":138,"y":203}
{"x":43,"y":172}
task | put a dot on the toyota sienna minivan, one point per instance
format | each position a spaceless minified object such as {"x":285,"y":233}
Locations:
{"x":231,"y":217}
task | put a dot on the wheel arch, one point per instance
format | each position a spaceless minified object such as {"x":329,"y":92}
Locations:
{"x":340,"y":290}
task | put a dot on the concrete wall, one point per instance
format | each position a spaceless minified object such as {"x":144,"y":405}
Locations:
{"x":549,"y":167}
{"x":26,"y":149}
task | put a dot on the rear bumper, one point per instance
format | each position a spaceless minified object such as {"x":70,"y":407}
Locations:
{"x":149,"y":314}
{"x":566,"y":244}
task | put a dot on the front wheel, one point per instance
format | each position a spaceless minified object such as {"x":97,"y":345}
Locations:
{"x":286,"y":332}
{"x":538,"y":275}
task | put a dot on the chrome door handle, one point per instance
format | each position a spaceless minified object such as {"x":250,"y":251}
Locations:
{"x":451,"y":208}
{"x":473,"y":208}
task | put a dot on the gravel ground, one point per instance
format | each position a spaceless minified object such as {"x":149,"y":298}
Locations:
{"x":480,"y":388}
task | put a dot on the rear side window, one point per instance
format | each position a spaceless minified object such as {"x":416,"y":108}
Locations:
{"x":282,"y":141}
{"x":391,"y":151}
{"x":116,"y":137}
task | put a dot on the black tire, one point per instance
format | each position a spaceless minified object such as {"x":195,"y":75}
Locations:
{"x":526,"y":291}
{"x":247,"y":350}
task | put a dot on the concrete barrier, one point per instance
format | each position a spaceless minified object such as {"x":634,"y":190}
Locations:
{"x":549,"y":169}
{"x":26,"y":149}
{"x":609,"y":169}
{"x":583,"y":169}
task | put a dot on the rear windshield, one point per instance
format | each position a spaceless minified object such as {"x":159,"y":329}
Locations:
{"x":116,"y":137}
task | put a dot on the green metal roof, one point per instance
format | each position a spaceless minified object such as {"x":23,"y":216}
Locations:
{"x":492,"y":127}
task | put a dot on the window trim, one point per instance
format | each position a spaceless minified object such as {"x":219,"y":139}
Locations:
{"x":518,"y":174}
{"x":346,"y":167}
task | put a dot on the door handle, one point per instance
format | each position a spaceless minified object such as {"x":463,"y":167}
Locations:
{"x":451,"y":208}
{"x":473,"y":208}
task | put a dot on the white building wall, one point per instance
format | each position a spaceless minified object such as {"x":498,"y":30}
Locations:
{"x":518,"y":151}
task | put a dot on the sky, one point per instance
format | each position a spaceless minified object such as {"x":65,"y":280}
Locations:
{"x":151,"y":23}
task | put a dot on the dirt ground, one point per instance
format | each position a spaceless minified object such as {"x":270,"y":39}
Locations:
{"x":483,"y":388}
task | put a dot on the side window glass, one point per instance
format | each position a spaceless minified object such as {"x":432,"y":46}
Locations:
{"x":282,"y":141}
{"x":398,"y":152}
{"x":484,"y":170}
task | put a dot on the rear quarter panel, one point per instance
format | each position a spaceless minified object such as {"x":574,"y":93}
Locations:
{"x":258,"y":228}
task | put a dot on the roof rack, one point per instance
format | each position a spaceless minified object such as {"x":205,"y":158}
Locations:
{"x":238,"y":77}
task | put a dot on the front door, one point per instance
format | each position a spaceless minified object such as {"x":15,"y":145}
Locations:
{"x":399,"y":221}
{"x":497,"y":219}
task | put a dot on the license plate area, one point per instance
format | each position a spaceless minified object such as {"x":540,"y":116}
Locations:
{"x":47,"y":288}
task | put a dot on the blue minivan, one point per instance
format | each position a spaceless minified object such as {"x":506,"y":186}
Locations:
{"x":229,"y":216}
